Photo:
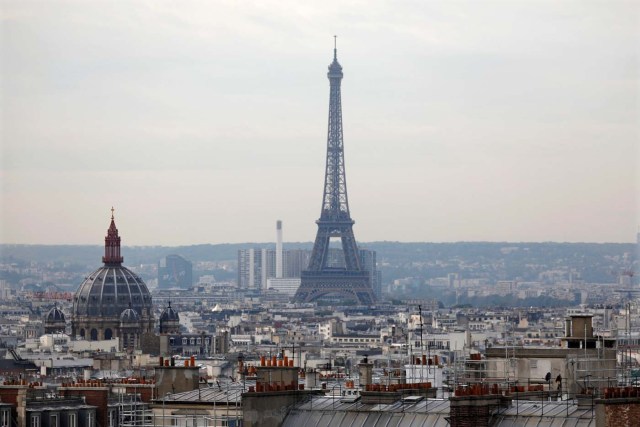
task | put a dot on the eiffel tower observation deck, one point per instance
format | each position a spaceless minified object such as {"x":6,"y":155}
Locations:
{"x":325,"y":278}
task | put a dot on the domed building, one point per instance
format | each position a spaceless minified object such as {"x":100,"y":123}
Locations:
{"x":169,"y":321}
{"x":103,"y":303}
{"x":129,"y":329}
{"x":55,"y":322}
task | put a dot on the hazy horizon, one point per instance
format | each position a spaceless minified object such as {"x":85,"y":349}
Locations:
{"x":206,"y":122}
{"x":310,"y":243}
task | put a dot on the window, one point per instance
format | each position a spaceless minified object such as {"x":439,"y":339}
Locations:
{"x":73,"y":420}
{"x":35,"y":421}
{"x":53,"y":420}
{"x":90,"y":418}
{"x":184,"y":341}
{"x":199,"y":341}
{"x":111,"y":422}
{"x":193,"y":341}
{"x":4,"y":418}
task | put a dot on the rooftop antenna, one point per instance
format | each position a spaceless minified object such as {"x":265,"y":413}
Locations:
{"x":335,"y":47}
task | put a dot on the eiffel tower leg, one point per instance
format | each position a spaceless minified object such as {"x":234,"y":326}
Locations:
{"x":320,"y":249}
{"x":350,"y":249}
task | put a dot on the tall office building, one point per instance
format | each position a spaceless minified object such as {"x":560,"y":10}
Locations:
{"x":255,"y":266}
{"x":295,"y":260}
{"x":175,"y":272}
{"x":369,"y":263}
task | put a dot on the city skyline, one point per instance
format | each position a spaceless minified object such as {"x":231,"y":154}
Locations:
{"x":463,"y":121}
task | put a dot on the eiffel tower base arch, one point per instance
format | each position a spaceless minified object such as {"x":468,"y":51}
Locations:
{"x":352,"y":285}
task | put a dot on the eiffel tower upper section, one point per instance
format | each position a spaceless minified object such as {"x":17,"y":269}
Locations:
{"x":320,"y":278}
{"x":335,"y":203}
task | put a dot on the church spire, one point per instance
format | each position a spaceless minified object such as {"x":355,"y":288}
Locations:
{"x":112,"y":244}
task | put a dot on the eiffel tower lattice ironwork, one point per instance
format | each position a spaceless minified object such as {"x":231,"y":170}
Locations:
{"x":348,"y":280}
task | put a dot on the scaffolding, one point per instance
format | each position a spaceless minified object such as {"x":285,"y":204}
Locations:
{"x":591,"y":375}
{"x":133,"y":412}
{"x":628,"y":356}
{"x":580,"y":373}
{"x":467,"y":368}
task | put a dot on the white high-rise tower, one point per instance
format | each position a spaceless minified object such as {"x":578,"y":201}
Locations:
{"x":279,"y":249}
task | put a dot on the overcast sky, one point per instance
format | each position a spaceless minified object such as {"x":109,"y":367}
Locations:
{"x":205,"y":122}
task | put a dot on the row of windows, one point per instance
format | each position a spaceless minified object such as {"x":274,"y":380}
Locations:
{"x":190,"y":341}
{"x":369,"y":340}
{"x":55,"y":420}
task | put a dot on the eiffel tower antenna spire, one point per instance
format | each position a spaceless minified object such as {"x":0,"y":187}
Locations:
{"x":347,"y":279}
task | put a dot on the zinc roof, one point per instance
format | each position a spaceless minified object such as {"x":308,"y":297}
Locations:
{"x":327,"y":411}
{"x":227,"y":393}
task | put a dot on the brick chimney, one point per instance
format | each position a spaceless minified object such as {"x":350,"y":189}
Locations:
{"x":475,"y":406}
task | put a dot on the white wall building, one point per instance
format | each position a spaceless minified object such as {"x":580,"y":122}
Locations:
{"x":286,"y":286}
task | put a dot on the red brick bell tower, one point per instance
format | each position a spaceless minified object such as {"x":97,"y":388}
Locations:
{"x":112,"y":245}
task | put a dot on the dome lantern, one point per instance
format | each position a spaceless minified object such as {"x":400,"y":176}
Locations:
{"x":112,"y":245}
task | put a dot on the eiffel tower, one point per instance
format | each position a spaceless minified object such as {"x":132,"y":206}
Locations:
{"x":348,"y":280}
